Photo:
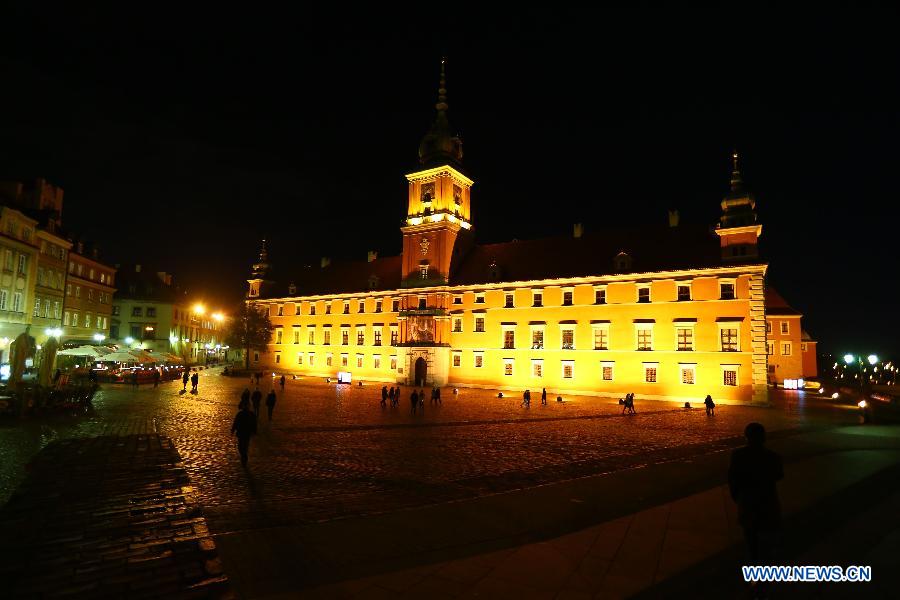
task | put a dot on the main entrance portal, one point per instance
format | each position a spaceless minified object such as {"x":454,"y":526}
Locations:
{"x":421,"y":371}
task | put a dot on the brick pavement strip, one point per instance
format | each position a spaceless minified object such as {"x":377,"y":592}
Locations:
{"x":108,"y":516}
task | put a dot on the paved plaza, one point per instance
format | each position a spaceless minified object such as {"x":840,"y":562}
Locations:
{"x":333,"y":458}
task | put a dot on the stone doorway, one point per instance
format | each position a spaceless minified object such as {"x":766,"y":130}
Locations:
{"x":421,"y":371}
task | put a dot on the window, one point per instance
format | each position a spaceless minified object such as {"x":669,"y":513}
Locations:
{"x":537,"y":368}
{"x":457,"y":195}
{"x":770,"y":348}
{"x":729,"y":376}
{"x":606,"y":371}
{"x":457,"y":324}
{"x":376,"y":361}
{"x":567,"y":298}
{"x":378,"y":306}
{"x":601,"y":338}
{"x":56,"y":309}
{"x":509,"y":301}
{"x":345,"y":336}
{"x":457,"y":359}
{"x":91,"y":297}
{"x":3,"y":299}
{"x":359,"y":361}
{"x":346,"y":308}
{"x":151,"y":311}
{"x":423,"y":271}
{"x":786,"y":348}
{"x":568,"y":369}
{"x":311,"y":339}
{"x":395,"y":305}
{"x":345,"y":360}
{"x":17,"y":302}
{"x":537,"y":298}
{"x":457,"y":299}
{"x":568,"y":338}
{"x":509,"y":339}
{"x":79,"y":268}
{"x":312,"y":309}
{"x":362,"y":306}
{"x":312,"y":358}
{"x":650,"y":372}
{"x":479,"y":324}
{"x":277,"y":357}
{"x":600,"y":296}
{"x":685,"y":338}
{"x":37,"y":308}
{"x":328,"y":359}
{"x":394,"y":335}
{"x":644,"y":337}
{"x":537,"y":338}
{"x":280,"y":310}
{"x":91,"y":274}
{"x":729,"y":339}
{"x":423,"y":303}
{"x":479,"y":360}
{"x":479,"y":298}
{"x":393,"y":363}
{"x":684,"y":292}
{"x":785,"y":328}
{"x":507,"y":367}
{"x":769,"y":327}
{"x":278,"y":335}
{"x":377,"y":337}
{"x":360,"y":336}
{"x":688,"y":374}
{"x":22,"y":263}
{"x":114,"y":332}
{"x":137,"y":311}
{"x":644,"y":294}
{"x":296,"y":335}
{"x":726,"y":290}
{"x":326,"y":337}
{"x":328,"y":308}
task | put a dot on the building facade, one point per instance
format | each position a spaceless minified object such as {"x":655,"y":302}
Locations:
{"x":90,"y":286}
{"x":671,"y":312}
{"x":50,"y":284}
{"x":18,"y":273}
{"x":151,"y":312}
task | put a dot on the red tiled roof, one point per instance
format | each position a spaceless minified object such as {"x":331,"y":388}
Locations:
{"x":343,"y":277}
{"x":776,"y":305}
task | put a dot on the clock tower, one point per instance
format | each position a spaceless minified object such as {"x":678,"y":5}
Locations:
{"x":437,"y":216}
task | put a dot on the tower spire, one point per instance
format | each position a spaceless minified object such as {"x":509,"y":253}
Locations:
{"x":442,"y":88}
{"x":440,"y":146}
{"x":737,"y":182}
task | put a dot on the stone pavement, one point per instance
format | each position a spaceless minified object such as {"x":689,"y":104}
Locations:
{"x":476,"y":549}
{"x":108,"y":517}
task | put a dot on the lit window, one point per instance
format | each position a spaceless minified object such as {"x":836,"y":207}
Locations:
{"x":376,"y":361}
{"x":360,"y":336}
{"x":346,"y":308}
{"x":479,"y":324}
{"x":786,"y":348}
{"x":803,"y":347}
{"x":328,"y":359}
{"x":729,"y":339}
{"x":685,"y":337}
{"x":770,"y":348}
{"x":479,"y":298}
{"x":507,"y":367}
{"x":277,"y":358}
{"x":729,"y":377}
{"x":393,"y":363}
{"x":568,"y":339}
{"x":312,"y":337}
{"x":479,"y":360}
{"x":278,"y":335}
{"x":687,"y":374}
{"x":537,"y":368}
{"x":644,"y":294}
{"x":345,"y":360}
{"x":377,"y":337}
{"x":393,"y":335}
{"x":785,"y":328}
{"x":299,"y":359}
{"x":509,"y":339}
{"x":568,"y":369}
{"x":650,"y":373}
{"x":768,"y":326}
{"x":457,"y":359}
{"x":457,"y":324}
{"x":644,"y":337}
{"x":537,"y":339}
{"x":296,"y":336}
{"x":606,"y":371}
{"x":509,"y":301}
{"x":312,"y":359}
{"x":567,"y":298}
{"x":3,"y":306}
{"x":684,"y":292}
{"x":726,"y":291}
{"x":395,"y":305}
{"x":17,"y":302}
{"x":37,"y":308}
{"x":22,"y":263}
{"x":326,"y":340}
{"x":601,"y":338}
{"x":359,"y":361}
{"x":345,"y":336}
{"x":537,"y":298}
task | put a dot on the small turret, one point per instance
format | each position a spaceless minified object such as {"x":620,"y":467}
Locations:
{"x":738,"y":230}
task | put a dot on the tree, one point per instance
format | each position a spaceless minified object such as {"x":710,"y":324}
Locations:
{"x":249,"y":329}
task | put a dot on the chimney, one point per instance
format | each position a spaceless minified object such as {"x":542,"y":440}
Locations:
{"x":578,"y":230}
{"x":372,"y":255}
{"x":137,"y":268}
{"x":673,"y":218}
{"x":325,"y":262}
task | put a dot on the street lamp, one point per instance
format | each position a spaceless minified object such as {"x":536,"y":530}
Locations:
{"x":99,"y":337}
{"x":873,"y":359}
{"x":199,"y":309}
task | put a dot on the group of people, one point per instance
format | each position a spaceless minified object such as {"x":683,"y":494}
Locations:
{"x":194,"y":379}
{"x":627,"y":404}
{"x":246,"y":421}
{"x":526,"y":397}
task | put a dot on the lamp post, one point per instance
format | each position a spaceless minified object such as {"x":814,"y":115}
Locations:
{"x":849,"y":359}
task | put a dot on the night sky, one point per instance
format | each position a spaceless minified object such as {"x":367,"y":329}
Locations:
{"x":183,"y":138}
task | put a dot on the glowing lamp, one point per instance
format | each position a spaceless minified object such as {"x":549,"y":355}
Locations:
{"x":849,"y":358}
{"x":862,"y":404}
{"x":217,"y":316}
{"x":199,"y":309}
{"x":129,"y":340}
{"x":835,"y":396}
{"x":873,"y":359}
{"x":99,"y":337}
{"x":173,"y":339}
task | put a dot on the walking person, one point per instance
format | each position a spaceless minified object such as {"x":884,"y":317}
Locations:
{"x":184,"y":380}
{"x":384,"y":395}
{"x":195,"y":381}
{"x":155,"y":377}
{"x":526,"y":399}
{"x":414,"y":400}
{"x":245,"y":399}
{"x":256,"y":398}
{"x":271,"y":399}
{"x":710,"y":406}
{"x":244,"y":427}
{"x":437,"y":395}
{"x":134,"y":379}
{"x":282,"y":383}
{"x":752,"y":476}
{"x":544,"y":396}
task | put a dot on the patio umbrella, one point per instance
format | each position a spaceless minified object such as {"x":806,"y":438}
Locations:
{"x":92,"y":351}
{"x":142,"y":356}
{"x":117,"y":357}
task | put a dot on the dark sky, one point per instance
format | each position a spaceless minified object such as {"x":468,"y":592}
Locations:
{"x":181,"y":138}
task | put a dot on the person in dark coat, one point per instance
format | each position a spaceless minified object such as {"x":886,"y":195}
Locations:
{"x":282,"y":383}
{"x":155,"y":377}
{"x":384,"y":395}
{"x":195,"y":380}
{"x":184,"y":380}
{"x":752,"y":476}
{"x":244,"y":426}
{"x":414,"y":400}
{"x":256,"y":398}
{"x":271,"y":399}
{"x":245,"y":399}
{"x":710,"y":406}
{"x":544,"y":396}
{"x":134,"y":378}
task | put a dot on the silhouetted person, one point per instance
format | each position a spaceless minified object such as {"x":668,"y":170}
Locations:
{"x":710,"y":406}
{"x":245,"y":399}
{"x":271,"y":398}
{"x":258,"y":375}
{"x":751,"y":479}
{"x":437,"y":395}
{"x":184,"y":380}
{"x":195,"y":380}
{"x":156,"y":378}
{"x":134,"y":378}
{"x":384,"y":395}
{"x":544,"y":396}
{"x":414,"y":400}
{"x":244,"y":426}
{"x":282,"y":383}
{"x":257,"y":399}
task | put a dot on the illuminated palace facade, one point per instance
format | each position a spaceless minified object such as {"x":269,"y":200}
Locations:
{"x":670,"y":312}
